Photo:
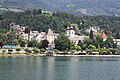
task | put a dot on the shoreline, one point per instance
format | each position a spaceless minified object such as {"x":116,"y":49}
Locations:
{"x":55,"y":55}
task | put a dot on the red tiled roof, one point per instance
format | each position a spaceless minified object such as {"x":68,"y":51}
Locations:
{"x":103,"y":35}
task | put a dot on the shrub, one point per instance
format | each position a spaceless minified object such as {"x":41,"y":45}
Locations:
{"x":4,"y":51}
{"x":56,"y":50}
{"x":84,"y":46}
{"x":113,"y":51}
{"x":42,"y":50}
{"x":104,"y":51}
{"x":27,"y":50}
{"x":18,"y":49}
{"x":10,"y":50}
{"x":91,"y":47}
{"x":89,"y":52}
{"x":35,"y":50}
{"x":95,"y":50}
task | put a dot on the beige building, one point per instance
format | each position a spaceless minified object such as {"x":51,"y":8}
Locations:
{"x":50,"y":36}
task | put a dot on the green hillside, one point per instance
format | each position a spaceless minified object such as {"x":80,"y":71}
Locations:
{"x":58,"y":21}
{"x":77,"y":7}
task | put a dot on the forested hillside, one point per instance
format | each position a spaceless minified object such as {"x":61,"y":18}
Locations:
{"x":77,"y":7}
{"x":58,"y":21}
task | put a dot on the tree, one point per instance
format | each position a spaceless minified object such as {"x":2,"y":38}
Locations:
{"x":22,"y":44}
{"x":33,"y":43}
{"x":10,"y":39}
{"x":91,"y":35}
{"x":117,"y":36}
{"x":88,"y":41}
{"x":62,"y":42}
{"x":1,"y":44}
{"x":15,"y":42}
{"x":44,"y":44}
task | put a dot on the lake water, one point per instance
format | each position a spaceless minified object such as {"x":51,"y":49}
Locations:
{"x":59,"y":68}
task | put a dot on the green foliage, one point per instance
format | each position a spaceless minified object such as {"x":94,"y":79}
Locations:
{"x":18,"y":49}
{"x":59,"y":21}
{"x":42,"y":50}
{"x":56,"y":50}
{"x":3,"y":51}
{"x":33,"y":43}
{"x":62,"y":42}
{"x":44,"y":44}
{"x":91,"y":35}
{"x":36,"y":51}
{"x":88,"y":41}
{"x":22,"y":44}
{"x":84,"y":46}
{"x":27,"y":50}
{"x":104,"y":51}
{"x":73,"y":46}
{"x":91,"y":46}
{"x":15,"y":42}
{"x":10,"y":50}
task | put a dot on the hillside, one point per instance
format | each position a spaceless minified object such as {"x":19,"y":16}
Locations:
{"x":58,"y":22}
{"x":77,"y":7}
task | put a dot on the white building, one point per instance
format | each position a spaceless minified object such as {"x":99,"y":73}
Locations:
{"x":71,"y":35}
{"x":70,"y":32}
{"x":117,"y":41}
{"x":95,"y":29}
{"x":50,"y":36}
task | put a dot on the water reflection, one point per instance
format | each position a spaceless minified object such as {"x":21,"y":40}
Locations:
{"x":59,"y":68}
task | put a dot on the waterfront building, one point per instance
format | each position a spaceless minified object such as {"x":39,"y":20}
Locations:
{"x":72,"y":36}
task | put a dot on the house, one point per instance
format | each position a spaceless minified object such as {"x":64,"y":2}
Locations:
{"x":117,"y":41}
{"x":95,"y":29}
{"x":103,"y":36}
{"x":50,"y":36}
{"x":30,"y":36}
{"x":17,"y":28}
{"x":71,"y":35}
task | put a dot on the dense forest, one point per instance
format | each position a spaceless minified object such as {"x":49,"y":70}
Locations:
{"x":77,"y":7}
{"x":57,"y":21}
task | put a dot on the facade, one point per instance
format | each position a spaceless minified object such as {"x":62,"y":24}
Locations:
{"x":70,"y":32}
{"x":50,"y":36}
{"x":117,"y":41}
{"x":71,"y":35}
{"x":103,"y":36}
{"x":95,"y":29}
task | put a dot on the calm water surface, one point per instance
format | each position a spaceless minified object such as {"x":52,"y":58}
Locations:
{"x":59,"y":68}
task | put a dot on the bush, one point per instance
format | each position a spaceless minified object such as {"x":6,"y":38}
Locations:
{"x":91,"y":47}
{"x":10,"y":50}
{"x":95,"y":50}
{"x":42,"y":50}
{"x":27,"y":50}
{"x":35,"y":50}
{"x":104,"y":51}
{"x":84,"y":46}
{"x":113,"y":51}
{"x":56,"y":50}
{"x":4,"y":51}
{"x":18,"y":49}
{"x":89,"y":52}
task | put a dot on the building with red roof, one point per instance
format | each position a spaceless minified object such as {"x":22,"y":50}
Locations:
{"x":103,"y":36}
